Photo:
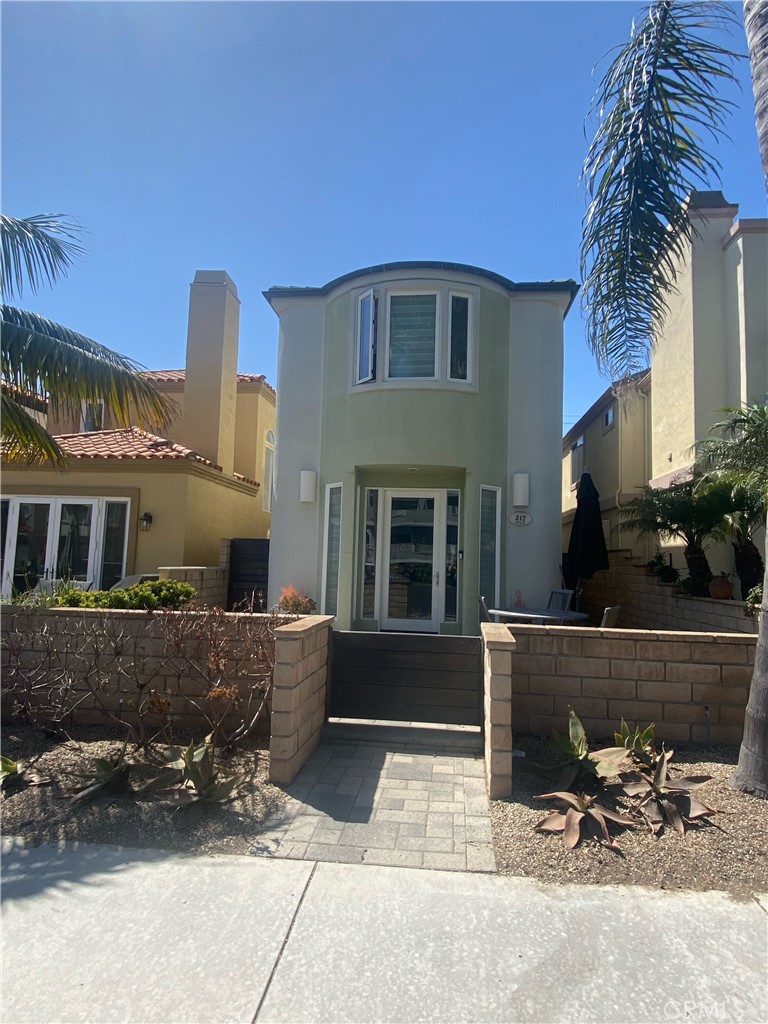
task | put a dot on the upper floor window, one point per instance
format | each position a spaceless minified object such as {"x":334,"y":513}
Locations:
{"x":412,"y":336}
{"x":577,"y":459}
{"x":459,"y":365}
{"x":91,"y":417}
{"x":366,"y":337}
{"x":413,"y":344}
{"x":609,"y":416}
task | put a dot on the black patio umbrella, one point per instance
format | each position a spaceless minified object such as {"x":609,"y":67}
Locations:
{"x":587,"y":553}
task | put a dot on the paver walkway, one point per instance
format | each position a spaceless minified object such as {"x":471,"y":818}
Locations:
{"x":366,"y":804}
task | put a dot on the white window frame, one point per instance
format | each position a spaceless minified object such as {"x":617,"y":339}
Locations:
{"x":83,"y":412}
{"x":437,"y":346}
{"x":609,"y":417}
{"x":497,"y":567}
{"x":268,"y":485}
{"x":470,"y":339}
{"x":100,"y":549}
{"x":327,"y":517}
{"x":577,"y":444}
{"x":372,"y":336}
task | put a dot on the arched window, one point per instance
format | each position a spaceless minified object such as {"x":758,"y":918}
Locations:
{"x":267,"y":486}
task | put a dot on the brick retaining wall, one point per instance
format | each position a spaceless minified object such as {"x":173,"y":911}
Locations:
{"x":127,"y":655}
{"x":675,"y":679}
{"x":648,"y":604}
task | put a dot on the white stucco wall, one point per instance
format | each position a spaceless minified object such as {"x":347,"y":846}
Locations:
{"x":293,"y":548}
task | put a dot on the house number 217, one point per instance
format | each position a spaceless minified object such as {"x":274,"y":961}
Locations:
{"x":521,"y":519}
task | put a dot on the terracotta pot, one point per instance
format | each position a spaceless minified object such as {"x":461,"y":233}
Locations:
{"x":721,"y":588}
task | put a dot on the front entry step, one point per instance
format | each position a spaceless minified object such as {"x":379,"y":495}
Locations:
{"x":400,"y":736}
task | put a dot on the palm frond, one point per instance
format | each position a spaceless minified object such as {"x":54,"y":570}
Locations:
{"x":35,"y":250}
{"x":23,"y":438}
{"x":656,"y":100}
{"x":43,"y":357}
{"x":740,"y":453}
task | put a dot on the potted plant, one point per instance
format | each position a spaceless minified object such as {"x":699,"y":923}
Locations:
{"x":720,"y":587}
{"x":667,"y":573}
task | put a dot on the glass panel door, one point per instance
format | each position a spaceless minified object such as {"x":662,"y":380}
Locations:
{"x":27,"y":558}
{"x":413,"y":562}
{"x":75,"y":540}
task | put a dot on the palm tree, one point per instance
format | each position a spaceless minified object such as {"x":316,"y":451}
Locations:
{"x":678,"y":513}
{"x":40,"y":357}
{"x":658,"y":102}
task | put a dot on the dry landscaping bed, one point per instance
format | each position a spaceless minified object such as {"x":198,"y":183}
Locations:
{"x":728,"y":851}
{"x":43,"y":814}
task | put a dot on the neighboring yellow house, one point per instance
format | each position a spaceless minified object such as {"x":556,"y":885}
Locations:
{"x":612,"y":442}
{"x":131,"y":501}
{"x":712,"y":353}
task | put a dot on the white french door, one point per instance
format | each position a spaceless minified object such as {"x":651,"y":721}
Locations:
{"x":412,"y":583}
{"x":49,"y":538}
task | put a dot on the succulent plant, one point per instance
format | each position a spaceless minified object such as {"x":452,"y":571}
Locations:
{"x":576,"y":764}
{"x":15,"y":774}
{"x":639,"y":744}
{"x":662,"y":800}
{"x":581,"y":817}
{"x":191,"y":776}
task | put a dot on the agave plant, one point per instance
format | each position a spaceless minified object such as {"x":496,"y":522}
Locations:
{"x":576,"y":762}
{"x":662,"y":800}
{"x":581,"y":817}
{"x":192,"y":776}
{"x":15,"y":774}
{"x":105,"y":778}
{"x":639,"y":744}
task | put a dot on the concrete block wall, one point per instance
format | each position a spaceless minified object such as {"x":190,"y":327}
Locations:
{"x":129,"y":656}
{"x":210,"y":582}
{"x":648,"y":604}
{"x":302,"y":651}
{"x":693,"y":686}
{"x":498,"y":648}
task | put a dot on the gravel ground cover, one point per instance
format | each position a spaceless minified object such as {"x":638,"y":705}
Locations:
{"x":43,"y":814}
{"x":728,"y":851}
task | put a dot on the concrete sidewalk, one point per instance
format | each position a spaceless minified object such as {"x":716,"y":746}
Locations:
{"x":100,"y":934}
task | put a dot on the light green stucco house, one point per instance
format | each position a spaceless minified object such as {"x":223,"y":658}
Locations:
{"x":410,"y":396}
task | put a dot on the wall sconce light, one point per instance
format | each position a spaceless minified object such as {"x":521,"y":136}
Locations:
{"x":145,"y":522}
{"x":521,"y":488}
{"x":308,"y":486}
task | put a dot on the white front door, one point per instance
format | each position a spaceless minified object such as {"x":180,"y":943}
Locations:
{"x":412,"y":583}
{"x":49,"y":538}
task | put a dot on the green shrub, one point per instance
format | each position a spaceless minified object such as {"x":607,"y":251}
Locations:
{"x":172,"y":594}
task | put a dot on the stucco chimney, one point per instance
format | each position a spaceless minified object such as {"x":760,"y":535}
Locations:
{"x":210,"y":390}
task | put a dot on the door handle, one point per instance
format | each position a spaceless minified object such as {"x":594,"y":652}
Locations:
{"x":437,"y":578}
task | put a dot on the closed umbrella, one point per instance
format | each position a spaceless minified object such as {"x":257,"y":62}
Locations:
{"x":587,"y":553}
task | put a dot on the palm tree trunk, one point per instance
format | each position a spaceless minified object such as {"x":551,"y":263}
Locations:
{"x":751,"y":775}
{"x":749,"y":565}
{"x":756,"y":27}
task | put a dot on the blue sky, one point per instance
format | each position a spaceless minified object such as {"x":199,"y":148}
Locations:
{"x":290,"y":143}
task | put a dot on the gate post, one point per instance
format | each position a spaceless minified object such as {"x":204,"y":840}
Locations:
{"x":498,"y":645}
{"x":298,"y":697}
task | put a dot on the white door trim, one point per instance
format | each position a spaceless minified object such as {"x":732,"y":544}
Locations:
{"x":386,"y":621}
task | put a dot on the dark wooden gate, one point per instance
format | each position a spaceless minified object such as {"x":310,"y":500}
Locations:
{"x":248,"y":572}
{"x":407,"y":677}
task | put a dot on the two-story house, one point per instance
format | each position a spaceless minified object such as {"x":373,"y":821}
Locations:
{"x":419,"y":421}
{"x":130,"y":501}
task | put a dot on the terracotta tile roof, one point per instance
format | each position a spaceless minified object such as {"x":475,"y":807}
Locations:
{"x":179,"y":376}
{"x":128,"y":443}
